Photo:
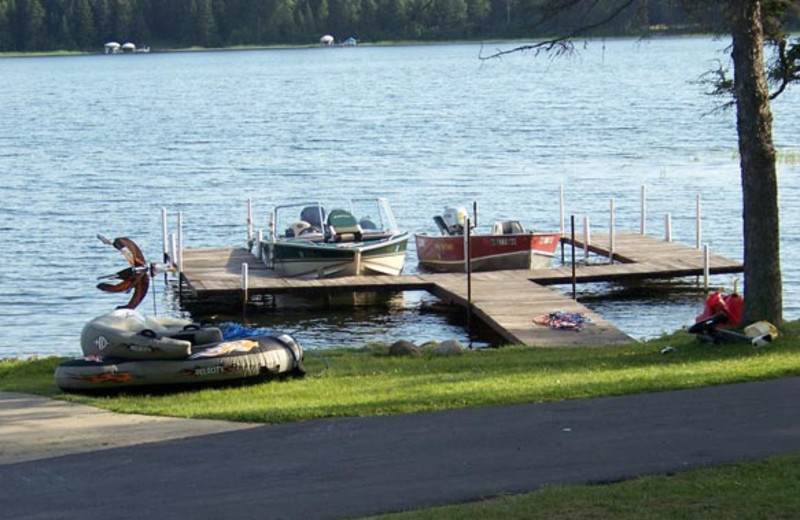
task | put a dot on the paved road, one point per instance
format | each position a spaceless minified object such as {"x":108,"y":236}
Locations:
{"x":345,"y":468}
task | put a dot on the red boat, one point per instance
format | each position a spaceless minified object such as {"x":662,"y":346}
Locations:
{"x":508,"y":246}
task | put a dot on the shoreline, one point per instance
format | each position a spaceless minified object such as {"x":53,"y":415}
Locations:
{"x":281,"y":47}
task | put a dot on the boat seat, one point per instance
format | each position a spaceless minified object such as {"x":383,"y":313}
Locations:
{"x":343,"y":226}
{"x":314,"y":215}
{"x":508,"y":227}
{"x":298,"y":228}
{"x":367,"y":224}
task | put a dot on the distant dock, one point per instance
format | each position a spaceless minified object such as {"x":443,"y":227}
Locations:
{"x":506,"y":301}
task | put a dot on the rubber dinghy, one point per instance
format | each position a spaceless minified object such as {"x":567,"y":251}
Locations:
{"x":124,"y":349}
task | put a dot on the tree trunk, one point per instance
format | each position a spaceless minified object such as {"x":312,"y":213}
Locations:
{"x":762,"y":270}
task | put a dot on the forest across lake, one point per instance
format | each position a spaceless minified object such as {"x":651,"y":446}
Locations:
{"x":86,"y":25}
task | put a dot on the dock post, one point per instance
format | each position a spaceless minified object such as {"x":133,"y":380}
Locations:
{"x":468,"y":270}
{"x":574,"y":273}
{"x":164,"y":234}
{"x":179,"y":252}
{"x":644,"y":209}
{"x":173,"y":253}
{"x":611,"y":233}
{"x":586,"y":238}
{"x":706,"y":266}
{"x":165,"y":243}
{"x":698,"y":225}
{"x":173,"y":249}
{"x":561,"y":218}
{"x":668,"y":227}
{"x":259,"y":240}
{"x":245,"y":285}
{"x":250,"y":223}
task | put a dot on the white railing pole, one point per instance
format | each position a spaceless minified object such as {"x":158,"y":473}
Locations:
{"x":164,"y":235}
{"x":586,"y":238}
{"x":561,"y":208}
{"x":180,"y":242}
{"x":259,"y":240}
{"x":668,"y":227}
{"x":611,"y":227}
{"x":173,"y":251}
{"x":250,"y":222}
{"x":699,"y":225}
{"x":644,"y":209}
{"x":245,"y":281}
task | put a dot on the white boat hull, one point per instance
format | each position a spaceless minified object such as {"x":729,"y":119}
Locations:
{"x":312,"y":261}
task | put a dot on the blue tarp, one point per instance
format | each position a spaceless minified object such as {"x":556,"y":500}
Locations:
{"x":231,"y":330}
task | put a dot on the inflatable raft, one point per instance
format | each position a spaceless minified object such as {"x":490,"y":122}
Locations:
{"x":124,"y":349}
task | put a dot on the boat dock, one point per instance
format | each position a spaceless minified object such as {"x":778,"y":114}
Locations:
{"x":506,"y":301}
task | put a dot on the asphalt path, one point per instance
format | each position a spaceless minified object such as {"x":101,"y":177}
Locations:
{"x":345,"y":468}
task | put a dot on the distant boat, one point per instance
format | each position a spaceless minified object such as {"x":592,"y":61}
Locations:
{"x":125,"y":48}
{"x":359,"y":238}
{"x":508,"y":246}
{"x":112,"y":48}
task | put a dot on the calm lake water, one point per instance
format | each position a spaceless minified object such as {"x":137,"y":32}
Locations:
{"x":99,"y":144}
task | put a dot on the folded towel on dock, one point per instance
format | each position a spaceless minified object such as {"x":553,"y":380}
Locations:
{"x":563,"y":320}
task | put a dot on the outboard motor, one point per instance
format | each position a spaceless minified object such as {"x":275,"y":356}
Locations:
{"x":455,"y":219}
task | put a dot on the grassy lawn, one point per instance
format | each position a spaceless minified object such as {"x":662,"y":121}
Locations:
{"x":767,"y":489}
{"x":368,"y":382}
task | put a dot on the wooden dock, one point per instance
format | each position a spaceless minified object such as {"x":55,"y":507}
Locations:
{"x":507,"y":301}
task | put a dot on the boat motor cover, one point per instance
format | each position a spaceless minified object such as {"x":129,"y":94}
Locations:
{"x":127,"y":334}
{"x":455,"y":219}
{"x":507,"y":227}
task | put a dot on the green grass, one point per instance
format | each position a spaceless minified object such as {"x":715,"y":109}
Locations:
{"x":368,"y":382}
{"x":767,"y":489}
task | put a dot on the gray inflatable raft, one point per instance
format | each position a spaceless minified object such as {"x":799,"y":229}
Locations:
{"x":124,"y":349}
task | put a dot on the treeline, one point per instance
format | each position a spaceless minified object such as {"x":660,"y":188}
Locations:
{"x":85,"y":25}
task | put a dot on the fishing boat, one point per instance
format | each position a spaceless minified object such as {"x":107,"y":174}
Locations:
{"x":507,"y":246}
{"x":358,"y":238}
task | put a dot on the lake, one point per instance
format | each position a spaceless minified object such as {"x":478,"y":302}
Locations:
{"x":99,"y":144}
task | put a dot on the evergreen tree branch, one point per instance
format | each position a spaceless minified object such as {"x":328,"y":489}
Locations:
{"x":563,"y":44}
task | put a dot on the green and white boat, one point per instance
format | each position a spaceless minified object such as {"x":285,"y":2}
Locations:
{"x":358,"y":238}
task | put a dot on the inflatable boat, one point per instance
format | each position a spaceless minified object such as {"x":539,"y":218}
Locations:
{"x":124,"y":349}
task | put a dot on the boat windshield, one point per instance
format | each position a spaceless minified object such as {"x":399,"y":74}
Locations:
{"x":311,"y":220}
{"x":373,"y":214}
